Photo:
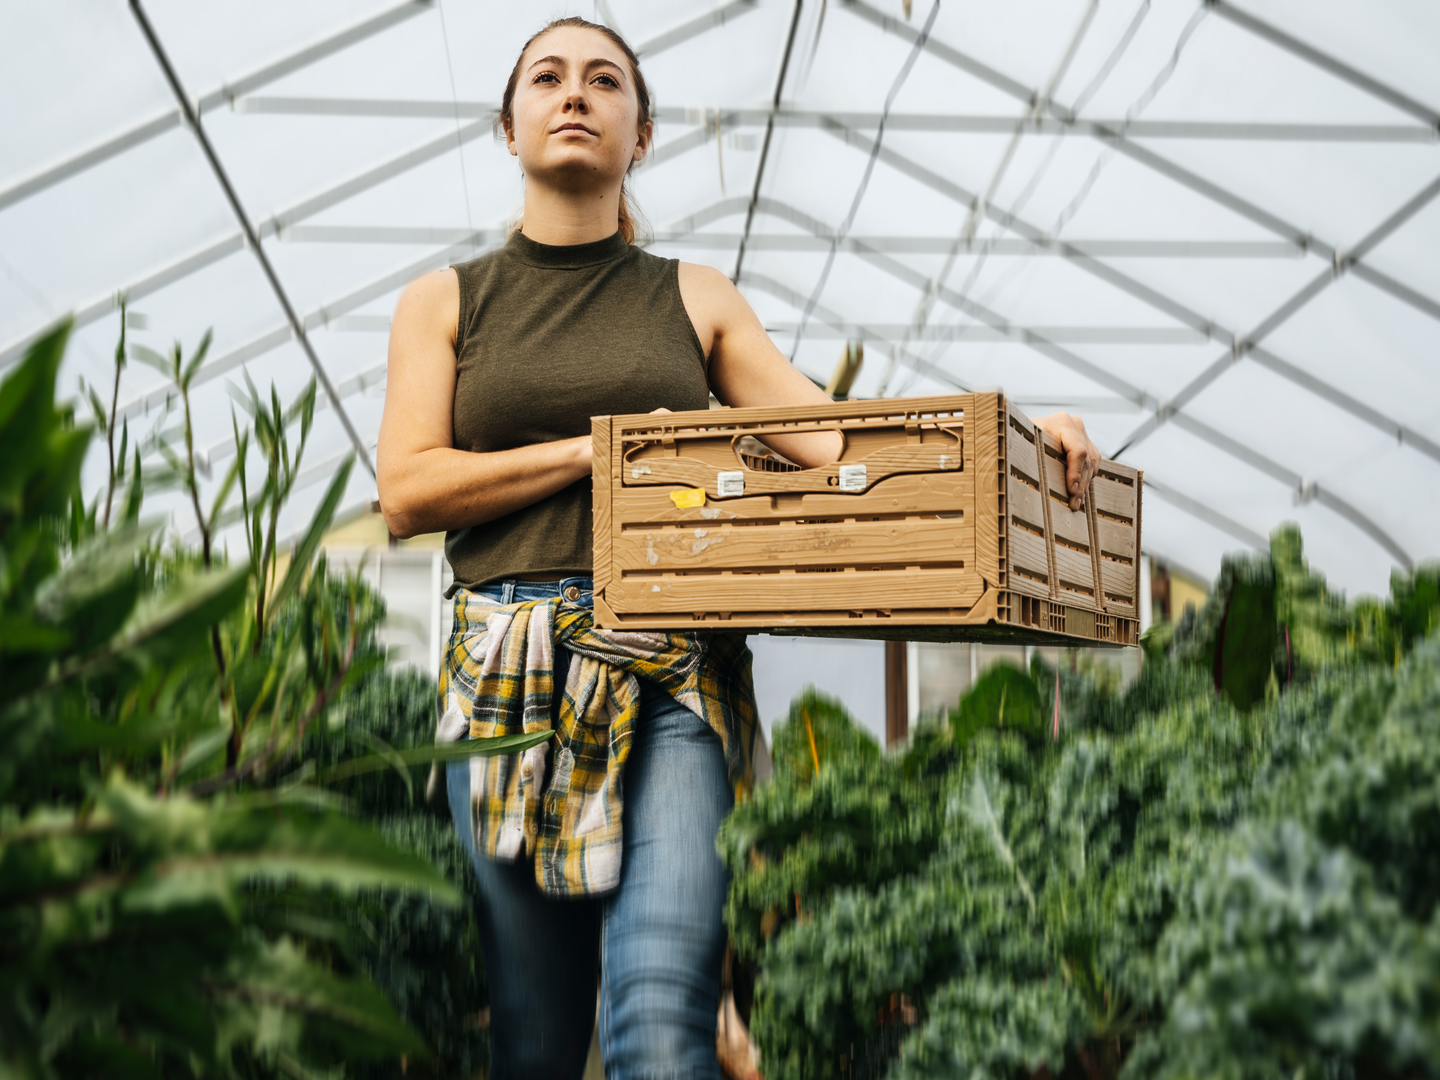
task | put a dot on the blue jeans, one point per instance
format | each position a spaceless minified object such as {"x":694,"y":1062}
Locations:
{"x":656,"y":944}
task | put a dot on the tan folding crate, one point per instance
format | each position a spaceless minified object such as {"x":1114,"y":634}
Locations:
{"x":944,"y":519}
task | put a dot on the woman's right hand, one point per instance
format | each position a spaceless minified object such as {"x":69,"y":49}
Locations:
{"x":425,"y":484}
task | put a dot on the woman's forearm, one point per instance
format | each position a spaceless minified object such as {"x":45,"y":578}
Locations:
{"x":441,"y":489}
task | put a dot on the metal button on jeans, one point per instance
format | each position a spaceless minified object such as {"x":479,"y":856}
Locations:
{"x":572,"y":593}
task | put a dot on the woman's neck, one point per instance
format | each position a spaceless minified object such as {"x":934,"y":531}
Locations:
{"x":569,"y":217}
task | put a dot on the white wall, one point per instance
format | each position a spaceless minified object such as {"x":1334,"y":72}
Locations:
{"x":853,"y":671}
{"x":412,"y":581}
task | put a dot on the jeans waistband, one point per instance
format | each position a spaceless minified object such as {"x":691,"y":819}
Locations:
{"x":577,"y":590}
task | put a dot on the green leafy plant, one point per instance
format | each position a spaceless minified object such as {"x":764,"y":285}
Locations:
{"x":1213,"y":872}
{"x":425,"y":955}
{"x":173,"y":869}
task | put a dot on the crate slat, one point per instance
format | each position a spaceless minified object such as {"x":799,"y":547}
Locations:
{"x":846,"y":592}
{"x":846,"y":544}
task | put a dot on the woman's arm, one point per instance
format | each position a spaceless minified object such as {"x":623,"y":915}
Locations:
{"x":745,"y":366}
{"x":747,"y":369}
{"x":425,"y":484}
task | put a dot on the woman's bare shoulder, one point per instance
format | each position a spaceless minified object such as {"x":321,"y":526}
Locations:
{"x":704,"y":281}
{"x":709,"y":293}
{"x":431,"y":302}
{"x":437,"y":288}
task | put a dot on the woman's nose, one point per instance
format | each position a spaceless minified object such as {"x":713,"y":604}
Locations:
{"x":575,"y":102}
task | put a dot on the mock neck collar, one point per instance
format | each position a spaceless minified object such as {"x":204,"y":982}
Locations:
{"x":566,"y":256}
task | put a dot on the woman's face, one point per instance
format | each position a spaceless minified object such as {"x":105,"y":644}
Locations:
{"x":576,"y":111}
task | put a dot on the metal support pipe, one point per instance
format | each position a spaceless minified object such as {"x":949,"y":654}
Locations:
{"x":693,"y":28}
{"x":1326,"y":63}
{"x":1204,"y":513}
{"x":1117,"y":136}
{"x":769,"y":134}
{"x":150,"y":129}
{"x":960,"y":124}
{"x":1138,"y":289}
{"x":275,"y":225}
{"x":252,"y":238}
{"x":1130,"y":392}
{"x":1279,"y":317}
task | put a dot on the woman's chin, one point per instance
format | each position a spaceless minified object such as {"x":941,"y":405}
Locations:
{"x":575,"y":169}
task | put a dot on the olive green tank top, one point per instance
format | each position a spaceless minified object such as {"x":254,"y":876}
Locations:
{"x":547,"y":338}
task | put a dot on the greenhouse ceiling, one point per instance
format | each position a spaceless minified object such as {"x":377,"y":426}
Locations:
{"x":1201,"y":226}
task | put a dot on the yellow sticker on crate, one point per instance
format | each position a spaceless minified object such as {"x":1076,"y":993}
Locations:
{"x":688,"y":497}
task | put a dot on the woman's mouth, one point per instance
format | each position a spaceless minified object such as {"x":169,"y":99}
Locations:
{"x":572,"y":127}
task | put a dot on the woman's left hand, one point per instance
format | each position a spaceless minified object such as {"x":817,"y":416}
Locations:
{"x":1082,"y":456}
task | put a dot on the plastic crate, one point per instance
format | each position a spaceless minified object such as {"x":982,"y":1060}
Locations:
{"x":944,"y":519}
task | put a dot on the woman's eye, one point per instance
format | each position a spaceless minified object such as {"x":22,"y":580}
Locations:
{"x":609,"y":80}
{"x":546,"y":76}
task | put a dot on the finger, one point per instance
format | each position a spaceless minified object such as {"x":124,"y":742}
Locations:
{"x":1081,"y":468}
{"x":659,"y":410}
{"x":1093,"y":462}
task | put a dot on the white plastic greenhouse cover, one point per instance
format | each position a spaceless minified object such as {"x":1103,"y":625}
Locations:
{"x":1203,"y":227}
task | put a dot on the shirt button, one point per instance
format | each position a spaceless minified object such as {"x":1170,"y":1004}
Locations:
{"x":572,"y":593}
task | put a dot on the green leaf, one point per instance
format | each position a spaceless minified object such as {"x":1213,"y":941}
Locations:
{"x":135,"y":491}
{"x":217,"y":507}
{"x":385,"y":750}
{"x":305,"y":551}
{"x":21,"y":635}
{"x":122,"y":454}
{"x":195,"y":361}
{"x":346,"y":1015}
{"x":303,"y":409}
{"x":205,"y":852}
{"x":170,"y":622}
{"x":94,"y":570}
{"x":33,"y":379}
{"x":984,"y":809}
{"x":150,"y":358}
{"x":1004,"y":698}
{"x":425,"y":755}
{"x":98,"y":408}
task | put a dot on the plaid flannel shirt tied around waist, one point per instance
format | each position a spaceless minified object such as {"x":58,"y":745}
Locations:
{"x":561,"y":801}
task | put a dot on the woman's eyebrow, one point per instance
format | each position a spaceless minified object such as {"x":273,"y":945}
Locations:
{"x":559,"y":61}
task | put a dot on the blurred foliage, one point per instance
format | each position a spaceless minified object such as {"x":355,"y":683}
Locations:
{"x":424,"y":954}
{"x":179,"y":880}
{"x":817,"y":730}
{"x":1224,"y":870}
{"x":1002,"y":697}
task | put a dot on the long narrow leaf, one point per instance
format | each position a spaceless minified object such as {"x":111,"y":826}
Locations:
{"x":135,"y":493}
{"x":217,"y":508}
{"x":192,"y":605}
{"x":97,"y":407}
{"x":195,"y":361}
{"x":150,"y":358}
{"x":425,"y":755}
{"x":385,"y":750}
{"x":305,"y":551}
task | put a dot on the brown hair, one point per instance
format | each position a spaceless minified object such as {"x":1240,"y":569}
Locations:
{"x":506,"y":120}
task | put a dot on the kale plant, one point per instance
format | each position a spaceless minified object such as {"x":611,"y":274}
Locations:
{"x":1223,"y":870}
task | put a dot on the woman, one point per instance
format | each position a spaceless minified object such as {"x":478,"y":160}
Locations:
{"x":495,"y":367}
